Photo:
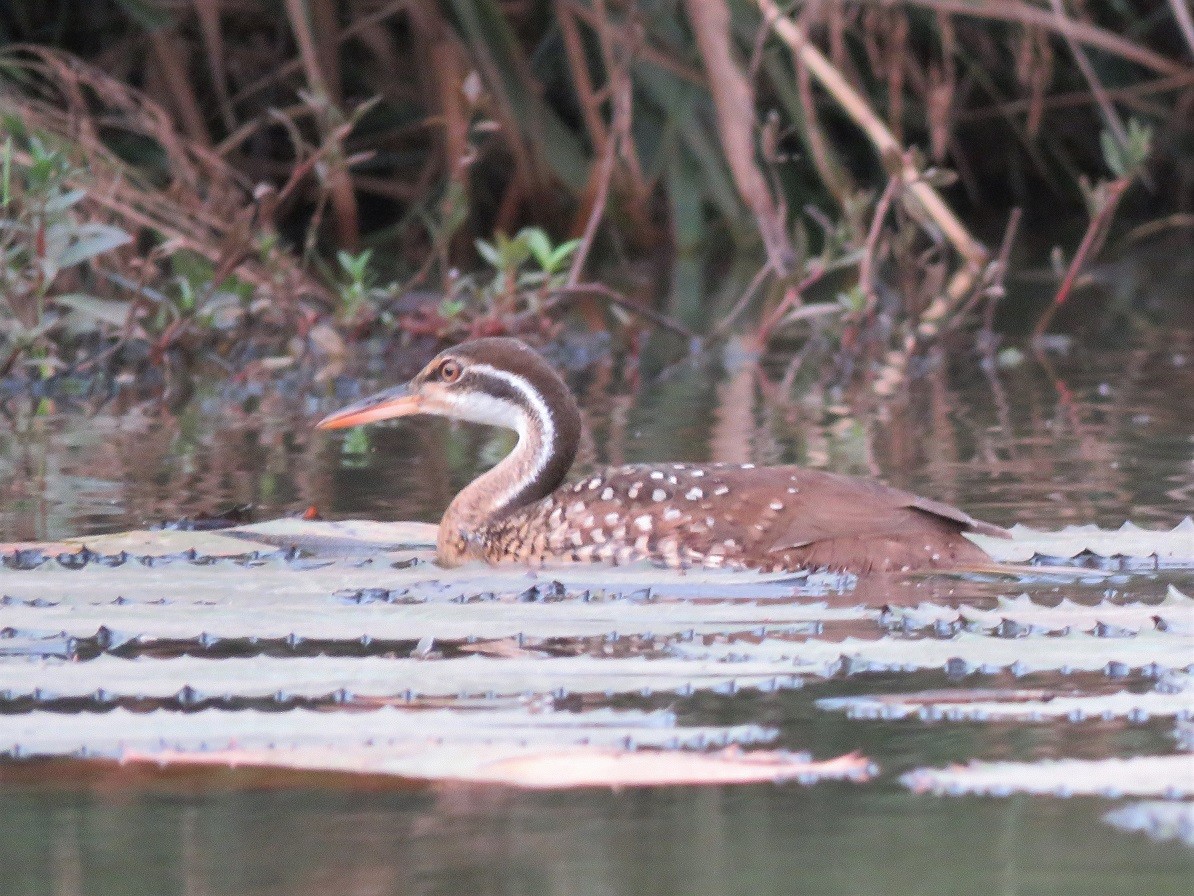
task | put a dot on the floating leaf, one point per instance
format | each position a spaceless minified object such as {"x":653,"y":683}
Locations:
{"x":962,"y":653}
{"x":1018,"y":706}
{"x":112,"y":734}
{"x":147,"y":607}
{"x":373,"y":591}
{"x":1169,"y":548}
{"x":324,"y":676}
{"x":1168,"y":776}
{"x":1174,"y":613}
{"x":1168,"y":820}
{"x":538,"y":769}
{"x":524,"y":747}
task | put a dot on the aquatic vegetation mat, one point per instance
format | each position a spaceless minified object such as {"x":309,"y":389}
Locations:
{"x":1159,"y":819}
{"x":343,"y":647}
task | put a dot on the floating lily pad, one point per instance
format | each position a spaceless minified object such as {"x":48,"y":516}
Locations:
{"x":343,"y":602}
{"x":323,"y":676}
{"x":1018,"y":706}
{"x":526,"y":747}
{"x":537,"y":768}
{"x":1175,"y":612}
{"x":1168,"y":776}
{"x":79,"y":624}
{"x":1160,"y":820}
{"x":113,"y":734}
{"x":960,"y":653}
{"x":1172,"y":548}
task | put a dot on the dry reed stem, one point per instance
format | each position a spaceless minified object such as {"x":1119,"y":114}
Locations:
{"x":1181,"y":12}
{"x":337,"y":180}
{"x":734,"y":103}
{"x":582,"y":81}
{"x":325,"y":27}
{"x":295,"y":66}
{"x":974,"y":254}
{"x":604,"y":175}
{"x":212,"y":35}
{"x":1085,"y":34}
{"x":866,"y":267}
{"x":170,"y":56}
{"x":1110,"y":117}
{"x":1096,"y":231}
{"x":1080,"y":98}
{"x":448,"y":75}
{"x":834,"y":176}
{"x":644,"y":52}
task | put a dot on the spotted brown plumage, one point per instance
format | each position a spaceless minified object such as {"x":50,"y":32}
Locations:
{"x":680,"y":515}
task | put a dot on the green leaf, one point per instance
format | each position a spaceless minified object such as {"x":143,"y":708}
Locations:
{"x":539,"y":244}
{"x":562,"y":253}
{"x":490,"y":253}
{"x":91,"y":240}
{"x":64,"y":201}
{"x":6,"y":173}
{"x":355,"y":265}
{"x":1112,"y":154}
{"x":115,"y":313}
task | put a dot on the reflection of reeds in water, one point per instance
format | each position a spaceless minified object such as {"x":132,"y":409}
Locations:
{"x":1095,"y":438}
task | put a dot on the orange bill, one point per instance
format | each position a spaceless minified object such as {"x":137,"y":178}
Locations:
{"x":396,"y":402}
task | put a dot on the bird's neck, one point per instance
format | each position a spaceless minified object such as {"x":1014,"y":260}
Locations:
{"x":547,"y":443}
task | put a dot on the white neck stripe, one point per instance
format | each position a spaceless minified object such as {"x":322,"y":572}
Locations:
{"x":542,"y":411}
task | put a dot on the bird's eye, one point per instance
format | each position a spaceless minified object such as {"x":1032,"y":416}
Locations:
{"x":449,"y":371}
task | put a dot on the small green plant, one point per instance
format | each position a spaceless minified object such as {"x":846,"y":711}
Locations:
{"x":508,"y":255}
{"x":44,"y":245}
{"x":1127,"y":159}
{"x":360,"y":298}
{"x":355,"y":286}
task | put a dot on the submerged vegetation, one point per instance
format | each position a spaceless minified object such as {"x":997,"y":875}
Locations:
{"x":262,"y":184}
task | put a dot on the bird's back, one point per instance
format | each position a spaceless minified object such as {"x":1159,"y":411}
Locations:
{"x":737,"y":516}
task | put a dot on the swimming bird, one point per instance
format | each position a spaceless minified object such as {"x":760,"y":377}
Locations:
{"x":680,"y":515}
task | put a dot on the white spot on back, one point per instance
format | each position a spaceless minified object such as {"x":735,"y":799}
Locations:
{"x":694,"y":494}
{"x":643,"y":523}
{"x":607,"y":493}
{"x":659,"y":495}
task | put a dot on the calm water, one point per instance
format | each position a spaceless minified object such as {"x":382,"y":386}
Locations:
{"x":1105,"y":435}
{"x":1098,"y":434}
